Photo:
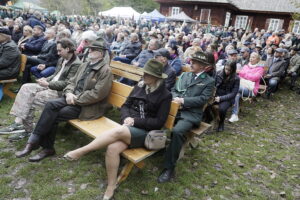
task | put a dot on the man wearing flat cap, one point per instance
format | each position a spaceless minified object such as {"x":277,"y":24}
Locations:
{"x":232,"y":56}
{"x":294,"y":67}
{"x":10,"y":56}
{"x":276,"y":66}
{"x":85,"y":97}
{"x":163,"y":55}
{"x":192,"y":91}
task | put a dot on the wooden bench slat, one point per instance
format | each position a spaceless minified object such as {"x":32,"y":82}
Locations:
{"x":8,"y":81}
{"x":138,"y":154}
{"x":93,"y":128}
{"x":125,"y":74}
{"x":201,"y":129}
{"x":126,"y":67}
{"x":116,"y":100}
{"x":121,"y":89}
{"x":170,"y":122}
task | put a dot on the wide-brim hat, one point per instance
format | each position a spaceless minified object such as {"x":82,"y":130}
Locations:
{"x":201,"y":57}
{"x":155,"y":68}
{"x":98,"y":44}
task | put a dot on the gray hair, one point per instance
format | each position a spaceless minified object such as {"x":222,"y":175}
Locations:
{"x":89,"y":36}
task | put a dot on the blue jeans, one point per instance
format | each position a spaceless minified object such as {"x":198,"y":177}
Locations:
{"x":246,"y":93}
{"x":123,"y":60}
{"x":272,"y":86}
{"x":44,"y":73}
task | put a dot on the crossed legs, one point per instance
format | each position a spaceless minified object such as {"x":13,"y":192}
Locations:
{"x":116,"y":141}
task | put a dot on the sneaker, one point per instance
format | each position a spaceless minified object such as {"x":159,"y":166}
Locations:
{"x":13,"y":128}
{"x":19,"y":136}
{"x":233,"y":118}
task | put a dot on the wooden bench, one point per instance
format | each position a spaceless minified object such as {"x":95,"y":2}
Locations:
{"x":125,"y":70}
{"x":136,"y":156}
{"x":9,"y":82}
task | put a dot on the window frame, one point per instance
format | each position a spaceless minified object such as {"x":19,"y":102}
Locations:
{"x":241,"y":21}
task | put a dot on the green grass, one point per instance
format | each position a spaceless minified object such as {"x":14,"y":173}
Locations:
{"x":256,"y":158}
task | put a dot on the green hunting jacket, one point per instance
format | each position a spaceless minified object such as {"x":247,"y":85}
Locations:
{"x":69,"y":71}
{"x":196,"y":94}
{"x":96,"y":89}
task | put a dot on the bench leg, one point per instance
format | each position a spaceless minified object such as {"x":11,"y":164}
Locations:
{"x":140,"y":165}
{"x":190,"y":136}
{"x":7,"y":92}
{"x":125,"y":172}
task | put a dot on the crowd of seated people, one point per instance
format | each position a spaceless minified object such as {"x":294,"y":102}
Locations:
{"x":70,"y":60}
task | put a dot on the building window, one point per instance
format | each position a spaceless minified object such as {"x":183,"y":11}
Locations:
{"x":296,"y":28}
{"x":205,"y":16}
{"x":274,"y":25}
{"x":175,"y":10}
{"x":227,"y":19}
{"x":241,"y":21}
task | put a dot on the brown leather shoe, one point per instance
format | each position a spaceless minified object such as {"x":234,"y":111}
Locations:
{"x":27,"y":150}
{"x":41,"y":155}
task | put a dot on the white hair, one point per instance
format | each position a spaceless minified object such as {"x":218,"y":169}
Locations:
{"x":89,"y":35}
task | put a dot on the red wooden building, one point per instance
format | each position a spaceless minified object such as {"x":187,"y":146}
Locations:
{"x":263,"y":14}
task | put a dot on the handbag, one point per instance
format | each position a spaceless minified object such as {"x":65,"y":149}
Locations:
{"x":247,"y":84}
{"x":244,"y":83}
{"x":156,"y":140}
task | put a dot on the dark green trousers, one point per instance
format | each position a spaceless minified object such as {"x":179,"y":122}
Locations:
{"x":178,"y":138}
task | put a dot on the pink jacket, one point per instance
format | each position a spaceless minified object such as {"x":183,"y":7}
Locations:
{"x":252,"y":74}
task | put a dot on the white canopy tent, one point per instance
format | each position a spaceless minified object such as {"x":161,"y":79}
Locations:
{"x":181,"y":17}
{"x":123,"y":12}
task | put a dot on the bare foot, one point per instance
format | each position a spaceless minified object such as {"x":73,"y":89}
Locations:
{"x":109,"y":193}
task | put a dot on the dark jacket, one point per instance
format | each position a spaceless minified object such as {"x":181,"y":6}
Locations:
{"x":196,"y":93}
{"x":132,"y":49}
{"x":33,"y":21}
{"x":156,"y":106}
{"x":275,"y":69}
{"x":143,"y":57}
{"x":170,"y":81}
{"x":34,"y":45}
{"x":16,"y":36}
{"x":69,"y":71}
{"x":176,"y":64}
{"x":93,"y":100}
{"x":10,"y":60}
{"x":226,"y":90}
{"x":49,"y":53}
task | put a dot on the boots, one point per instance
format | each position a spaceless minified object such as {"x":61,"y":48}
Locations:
{"x":221,"y":124}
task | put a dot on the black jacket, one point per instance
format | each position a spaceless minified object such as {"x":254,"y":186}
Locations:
{"x":150,"y":111}
{"x":10,"y":60}
{"x":49,"y":53}
{"x":227,"y":90}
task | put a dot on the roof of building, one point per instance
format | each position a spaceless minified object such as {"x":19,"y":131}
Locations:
{"x":285,"y":6}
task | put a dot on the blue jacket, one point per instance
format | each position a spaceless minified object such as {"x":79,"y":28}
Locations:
{"x":143,"y":57}
{"x":176,"y":64}
{"x":33,"y":21}
{"x":34,"y":45}
{"x":170,"y":81}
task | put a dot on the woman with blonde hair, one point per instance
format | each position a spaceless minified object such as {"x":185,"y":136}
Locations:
{"x":27,"y":34}
{"x":252,"y":72}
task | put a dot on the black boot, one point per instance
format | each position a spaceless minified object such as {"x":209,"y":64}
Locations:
{"x":221,"y":124}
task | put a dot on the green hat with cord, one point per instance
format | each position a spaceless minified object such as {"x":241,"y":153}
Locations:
{"x":155,"y":68}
